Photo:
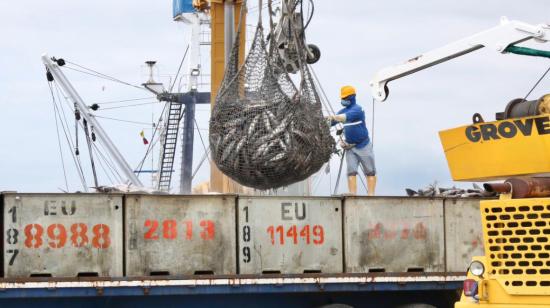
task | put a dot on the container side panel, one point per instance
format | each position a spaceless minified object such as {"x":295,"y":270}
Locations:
{"x":464,"y":236}
{"x":62,"y":235}
{"x":290,"y":235}
{"x":180,"y":235}
{"x":394,"y":235}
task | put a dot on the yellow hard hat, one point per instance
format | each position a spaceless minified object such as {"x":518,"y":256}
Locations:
{"x":346,"y":91}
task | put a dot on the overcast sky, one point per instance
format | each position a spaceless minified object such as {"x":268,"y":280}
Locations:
{"x":356,"y":38}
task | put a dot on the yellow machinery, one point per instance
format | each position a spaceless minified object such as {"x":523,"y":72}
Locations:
{"x":515,"y":271}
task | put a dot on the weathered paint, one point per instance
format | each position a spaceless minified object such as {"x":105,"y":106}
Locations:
{"x":318,"y":280}
{"x":393,"y":234}
{"x":180,"y":235}
{"x":62,"y":235}
{"x":289,"y":235}
{"x":463,"y":234}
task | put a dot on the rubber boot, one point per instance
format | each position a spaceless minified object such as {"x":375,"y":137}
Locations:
{"x":371,"y":185}
{"x":352,"y":184}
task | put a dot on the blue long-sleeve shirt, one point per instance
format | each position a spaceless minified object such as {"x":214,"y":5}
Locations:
{"x":355,"y":128}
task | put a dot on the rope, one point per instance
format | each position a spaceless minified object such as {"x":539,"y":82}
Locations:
{"x":101,"y":75}
{"x":200,"y":136}
{"x":179,"y":68}
{"x":68,"y":136}
{"x":536,"y":84}
{"x":59,"y":138}
{"x":372,"y":125}
{"x":90,"y":152}
{"x":77,"y":115}
{"x":103,"y":167}
{"x":125,"y":100}
{"x":127,"y":106}
{"x":339,"y":173}
{"x":107,"y":159}
{"x":121,"y":120}
{"x":150,"y":147}
{"x":204,"y":156}
{"x":110,"y":163}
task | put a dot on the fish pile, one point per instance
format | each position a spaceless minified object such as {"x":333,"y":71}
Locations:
{"x":434,"y":190}
{"x":265,"y":146}
{"x":264,"y":131}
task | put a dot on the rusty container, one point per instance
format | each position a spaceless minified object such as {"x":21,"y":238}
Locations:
{"x":289,"y":235}
{"x":180,"y":234}
{"x":62,"y":235}
{"x":464,"y":236}
{"x":393,"y":234}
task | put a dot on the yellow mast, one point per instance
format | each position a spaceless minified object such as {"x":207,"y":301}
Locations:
{"x":218,"y":181}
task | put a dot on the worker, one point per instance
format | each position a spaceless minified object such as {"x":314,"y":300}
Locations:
{"x":357,"y":144}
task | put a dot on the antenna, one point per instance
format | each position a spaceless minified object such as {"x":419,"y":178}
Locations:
{"x":155,"y":87}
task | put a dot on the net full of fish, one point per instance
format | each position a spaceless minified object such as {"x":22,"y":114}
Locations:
{"x":264,"y":131}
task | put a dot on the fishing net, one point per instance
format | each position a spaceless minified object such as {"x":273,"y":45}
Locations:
{"x":264,"y":131}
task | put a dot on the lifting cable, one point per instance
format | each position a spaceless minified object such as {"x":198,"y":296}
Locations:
{"x":65,"y":127}
{"x":204,"y":157}
{"x":109,"y":162}
{"x":536,"y":84}
{"x":76,"y":157}
{"x":330,"y":110}
{"x":106,"y":158}
{"x":200,"y":136}
{"x":122,"y":120}
{"x":102,"y":166}
{"x":90,"y":152}
{"x":125,"y":100}
{"x":92,"y":72}
{"x":179,"y":68}
{"x":150,"y":147}
{"x":127,"y":106}
{"x":59,"y":138}
{"x":76,"y":119}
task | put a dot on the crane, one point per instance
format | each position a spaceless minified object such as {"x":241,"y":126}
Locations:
{"x":512,"y":272}
{"x":501,"y":38}
{"x":463,"y":142}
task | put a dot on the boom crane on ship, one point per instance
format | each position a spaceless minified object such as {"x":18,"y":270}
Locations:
{"x":514,"y":270}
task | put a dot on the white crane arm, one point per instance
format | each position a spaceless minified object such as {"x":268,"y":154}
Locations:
{"x":103,"y":137}
{"x":499,"y":37}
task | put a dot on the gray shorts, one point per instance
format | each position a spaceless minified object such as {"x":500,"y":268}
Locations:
{"x":365,"y":156}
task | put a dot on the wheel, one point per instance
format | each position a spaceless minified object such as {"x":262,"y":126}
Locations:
{"x":335,"y":306}
{"x":315,"y":54}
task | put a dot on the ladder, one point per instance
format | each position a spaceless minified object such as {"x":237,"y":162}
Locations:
{"x":168,"y":143}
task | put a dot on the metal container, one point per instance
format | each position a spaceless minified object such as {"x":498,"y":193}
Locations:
{"x":180,"y":235}
{"x":393,"y":234}
{"x":62,"y":235}
{"x":289,"y":235}
{"x":464,"y":236}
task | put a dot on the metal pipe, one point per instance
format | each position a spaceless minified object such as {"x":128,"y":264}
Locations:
{"x":229,"y":27}
{"x":81,"y":106}
{"x":187,"y":143}
{"x":503,"y":188}
{"x":524,"y":187}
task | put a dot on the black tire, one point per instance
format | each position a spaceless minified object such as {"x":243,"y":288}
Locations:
{"x":316,"y":54}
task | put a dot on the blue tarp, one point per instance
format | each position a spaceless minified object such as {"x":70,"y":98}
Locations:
{"x":182,"y":6}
